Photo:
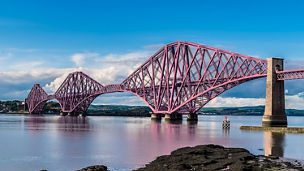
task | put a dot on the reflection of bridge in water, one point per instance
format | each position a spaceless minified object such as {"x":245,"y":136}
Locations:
{"x":274,"y":143}
{"x":179,"y":79}
{"x":65,"y":123}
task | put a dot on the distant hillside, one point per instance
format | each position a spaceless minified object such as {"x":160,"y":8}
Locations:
{"x":117,"y":110}
{"x":144,"y":110}
{"x":120,"y":110}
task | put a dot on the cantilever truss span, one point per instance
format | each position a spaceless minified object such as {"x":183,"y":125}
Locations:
{"x":36,"y":99}
{"x":180,"y":78}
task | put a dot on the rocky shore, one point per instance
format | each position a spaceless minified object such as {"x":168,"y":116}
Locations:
{"x":95,"y":168}
{"x":214,"y":157}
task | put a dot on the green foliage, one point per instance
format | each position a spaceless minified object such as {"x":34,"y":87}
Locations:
{"x":116,"y":110}
{"x":6,"y":106}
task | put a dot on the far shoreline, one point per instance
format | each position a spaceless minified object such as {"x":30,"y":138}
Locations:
{"x":128,"y":115}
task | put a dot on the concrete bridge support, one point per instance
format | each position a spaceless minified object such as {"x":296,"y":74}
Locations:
{"x":192,"y":117}
{"x":274,"y":114}
{"x":174,"y":116}
{"x":156,"y":116}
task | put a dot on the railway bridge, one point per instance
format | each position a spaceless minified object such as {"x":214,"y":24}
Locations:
{"x":178,"y":79}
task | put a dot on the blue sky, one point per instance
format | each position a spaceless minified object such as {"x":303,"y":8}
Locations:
{"x":42,"y":41}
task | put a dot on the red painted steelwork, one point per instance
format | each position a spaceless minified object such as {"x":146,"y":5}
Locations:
{"x":290,"y":74}
{"x":77,"y":92}
{"x":180,"y":78}
{"x":36,"y":99}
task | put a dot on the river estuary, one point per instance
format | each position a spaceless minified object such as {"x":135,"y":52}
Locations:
{"x":123,"y":143}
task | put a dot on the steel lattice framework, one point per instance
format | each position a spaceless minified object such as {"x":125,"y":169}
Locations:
{"x":290,"y":75}
{"x":77,"y":92}
{"x":36,"y":99}
{"x":180,"y":78}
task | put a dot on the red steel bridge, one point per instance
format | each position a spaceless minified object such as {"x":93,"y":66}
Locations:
{"x":180,"y":78}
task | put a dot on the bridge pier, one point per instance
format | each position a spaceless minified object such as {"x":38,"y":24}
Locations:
{"x":192,"y":117}
{"x":156,"y":116}
{"x":173,"y":116}
{"x":72,"y":114}
{"x":84,"y":114}
{"x":274,"y":114}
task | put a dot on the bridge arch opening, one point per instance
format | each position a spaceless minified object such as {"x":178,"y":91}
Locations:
{"x":48,"y":107}
{"x":52,"y":107}
{"x":118,"y":103}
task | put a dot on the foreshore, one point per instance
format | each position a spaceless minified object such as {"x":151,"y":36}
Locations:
{"x":213,"y":157}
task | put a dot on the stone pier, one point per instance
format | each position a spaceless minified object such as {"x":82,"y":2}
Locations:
{"x":274,"y":114}
{"x":174,"y":116}
{"x":192,"y":117}
{"x":156,"y":116}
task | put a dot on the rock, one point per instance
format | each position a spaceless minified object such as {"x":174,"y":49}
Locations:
{"x":215,"y":157}
{"x":95,"y":168}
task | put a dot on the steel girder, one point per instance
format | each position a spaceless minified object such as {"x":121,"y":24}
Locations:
{"x":182,"y":77}
{"x":36,"y":99}
{"x":290,"y":74}
{"x":77,"y":92}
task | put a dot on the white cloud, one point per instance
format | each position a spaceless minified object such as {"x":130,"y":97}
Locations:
{"x":17,"y":84}
{"x":235,"y":102}
{"x":79,"y":58}
{"x":55,"y":84}
{"x":295,"y":101}
{"x":119,"y":99}
{"x":109,"y":69}
{"x":291,"y":101}
{"x":20,"y":77}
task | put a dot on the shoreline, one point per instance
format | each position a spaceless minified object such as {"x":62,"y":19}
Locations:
{"x":213,"y":157}
{"x":132,"y":115}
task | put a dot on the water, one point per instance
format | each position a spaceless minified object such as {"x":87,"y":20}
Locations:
{"x":66,"y":143}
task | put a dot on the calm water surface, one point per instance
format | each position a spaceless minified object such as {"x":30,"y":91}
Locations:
{"x":60,"y":143}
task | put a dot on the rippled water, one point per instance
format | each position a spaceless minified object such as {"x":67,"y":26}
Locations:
{"x":123,"y":143}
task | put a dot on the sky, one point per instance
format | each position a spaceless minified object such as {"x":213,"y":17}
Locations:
{"x":42,"y":41}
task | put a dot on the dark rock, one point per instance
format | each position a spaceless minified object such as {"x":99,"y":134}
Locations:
{"x":215,"y":157}
{"x":95,"y":168}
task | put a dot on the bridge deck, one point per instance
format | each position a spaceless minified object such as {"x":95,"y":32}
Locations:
{"x":290,"y":74}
